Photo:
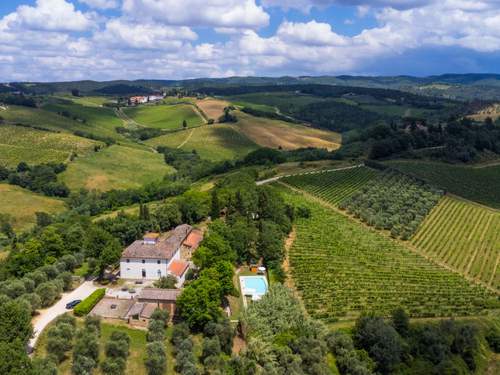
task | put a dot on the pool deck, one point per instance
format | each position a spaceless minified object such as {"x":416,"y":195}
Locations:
{"x":251,"y":292}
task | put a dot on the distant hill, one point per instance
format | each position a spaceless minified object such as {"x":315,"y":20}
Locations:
{"x":453,"y":86}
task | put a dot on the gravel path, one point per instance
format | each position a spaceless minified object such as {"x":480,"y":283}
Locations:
{"x":48,"y":315}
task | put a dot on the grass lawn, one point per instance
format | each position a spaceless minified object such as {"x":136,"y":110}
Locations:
{"x":212,"y":142}
{"x":115,"y":167}
{"x":164,"y":116}
{"x":35,"y":146}
{"x":274,"y":134}
{"x":21,"y":205}
{"x":135,"y":361}
{"x":481,"y":185}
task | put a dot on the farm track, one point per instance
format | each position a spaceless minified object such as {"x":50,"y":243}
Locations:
{"x":187,"y":138}
{"x":408,"y":245}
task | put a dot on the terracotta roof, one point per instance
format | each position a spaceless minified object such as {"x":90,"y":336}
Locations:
{"x":136,"y":309}
{"x":194,"y":238}
{"x":148,"y":310}
{"x":162,"y":249}
{"x":178,"y":268}
{"x":159,"y":294}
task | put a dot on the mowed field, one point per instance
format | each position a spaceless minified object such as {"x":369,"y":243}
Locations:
{"x":288,"y":136}
{"x":115,"y":167}
{"x":341,"y":269}
{"x":164,"y":116}
{"x":21,"y":205}
{"x":465,"y":236}
{"x":211,"y":142}
{"x":212,"y":108}
{"x":35,"y":146}
{"x":481,"y":185}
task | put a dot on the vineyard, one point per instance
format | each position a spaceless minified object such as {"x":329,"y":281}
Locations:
{"x":335,"y":186}
{"x":465,"y":236}
{"x":342,"y":268}
{"x":393,"y":202}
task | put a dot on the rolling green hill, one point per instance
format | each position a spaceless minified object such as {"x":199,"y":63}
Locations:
{"x":164,"y":116}
{"x":35,"y":146}
{"x":115,"y":167}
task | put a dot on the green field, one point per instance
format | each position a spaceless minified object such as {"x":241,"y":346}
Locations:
{"x":164,"y":116}
{"x":22,"y":204}
{"x":115,"y":167}
{"x":35,"y":146}
{"x":100,"y":121}
{"x":212,"y":142}
{"x":481,"y":185}
{"x":333,"y":187}
{"x":89,"y":101}
{"x":464,"y":236}
{"x":341,"y":269}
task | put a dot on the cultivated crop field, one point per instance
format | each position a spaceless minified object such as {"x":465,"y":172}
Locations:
{"x":115,"y":167}
{"x":35,"y":146}
{"x":477,"y":184}
{"x":21,"y":205}
{"x":335,"y":186}
{"x":212,"y":108}
{"x":288,"y":136}
{"x":341,"y":269}
{"x":465,"y":236}
{"x":212,"y":142}
{"x":394,"y":202}
{"x":164,"y":116}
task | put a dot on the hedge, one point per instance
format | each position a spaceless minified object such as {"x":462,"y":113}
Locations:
{"x":84,"y":307}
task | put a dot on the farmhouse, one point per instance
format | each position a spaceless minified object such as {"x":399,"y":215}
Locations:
{"x":134,"y":100}
{"x":156,"y":256}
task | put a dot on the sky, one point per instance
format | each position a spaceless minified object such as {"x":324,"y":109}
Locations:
{"x":61,"y":40}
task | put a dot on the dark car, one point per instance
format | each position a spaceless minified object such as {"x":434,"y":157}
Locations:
{"x":72,"y":304}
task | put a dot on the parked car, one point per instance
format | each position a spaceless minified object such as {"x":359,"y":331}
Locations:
{"x":72,"y":304}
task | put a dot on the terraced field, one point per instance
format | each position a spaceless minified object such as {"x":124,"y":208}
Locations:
{"x":212,"y":142}
{"x":21,"y":205}
{"x":333,"y":187}
{"x":35,"y":146}
{"x":164,"y":116}
{"x":341,"y":269}
{"x":115,"y":167}
{"x":481,"y":185}
{"x":285,"y":135}
{"x":464,"y":236}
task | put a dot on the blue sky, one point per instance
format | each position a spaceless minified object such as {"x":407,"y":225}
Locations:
{"x":54,"y":40}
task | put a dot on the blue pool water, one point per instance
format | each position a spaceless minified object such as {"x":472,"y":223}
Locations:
{"x":253,"y":285}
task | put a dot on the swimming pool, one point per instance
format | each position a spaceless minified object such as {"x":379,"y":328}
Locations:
{"x":254,"y":286}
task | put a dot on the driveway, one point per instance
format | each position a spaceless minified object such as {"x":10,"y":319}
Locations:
{"x":47,"y":315}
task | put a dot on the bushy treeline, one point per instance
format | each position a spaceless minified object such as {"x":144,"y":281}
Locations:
{"x":141,"y":133}
{"x":38,"y":178}
{"x":156,"y":357}
{"x":453,"y":141}
{"x":394,"y":202}
{"x":443,"y":347}
{"x":94,"y":202}
{"x":117,"y":352}
{"x":86,"y":348}
{"x":22,"y":100}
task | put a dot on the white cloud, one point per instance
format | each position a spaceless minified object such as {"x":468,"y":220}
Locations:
{"x":216,"y":13}
{"x":53,"y":15}
{"x":311,"y":33}
{"x":101,"y":4}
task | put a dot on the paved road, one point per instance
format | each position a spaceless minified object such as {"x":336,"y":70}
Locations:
{"x":47,"y":315}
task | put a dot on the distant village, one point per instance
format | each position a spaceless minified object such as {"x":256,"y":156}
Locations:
{"x":143,"y":99}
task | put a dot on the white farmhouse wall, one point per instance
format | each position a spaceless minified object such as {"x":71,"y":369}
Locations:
{"x":134,"y":267}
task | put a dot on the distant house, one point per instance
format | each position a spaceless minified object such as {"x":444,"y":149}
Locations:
{"x":134,"y":100}
{"x":154,"y":256}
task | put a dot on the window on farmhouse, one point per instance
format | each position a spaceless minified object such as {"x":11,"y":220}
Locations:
{"x":158,"y":261}
{"x":143,"y":261}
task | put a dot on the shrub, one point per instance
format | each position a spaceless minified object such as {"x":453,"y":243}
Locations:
{"x":156,"y":331}
{"x":48,"y":293}
{"x":156,"y":359}
{"x":57,"y":346}
{"x":117,"y":349}
{"x":161,"y":315}
{"x":67,"y":279}
{"x":44,"y":366}
{"x":113,"y":366}
{"x":82,"y":365}
{"x":84,"y":307}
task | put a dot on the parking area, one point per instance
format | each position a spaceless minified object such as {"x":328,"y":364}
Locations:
{"x":129,"y":289}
